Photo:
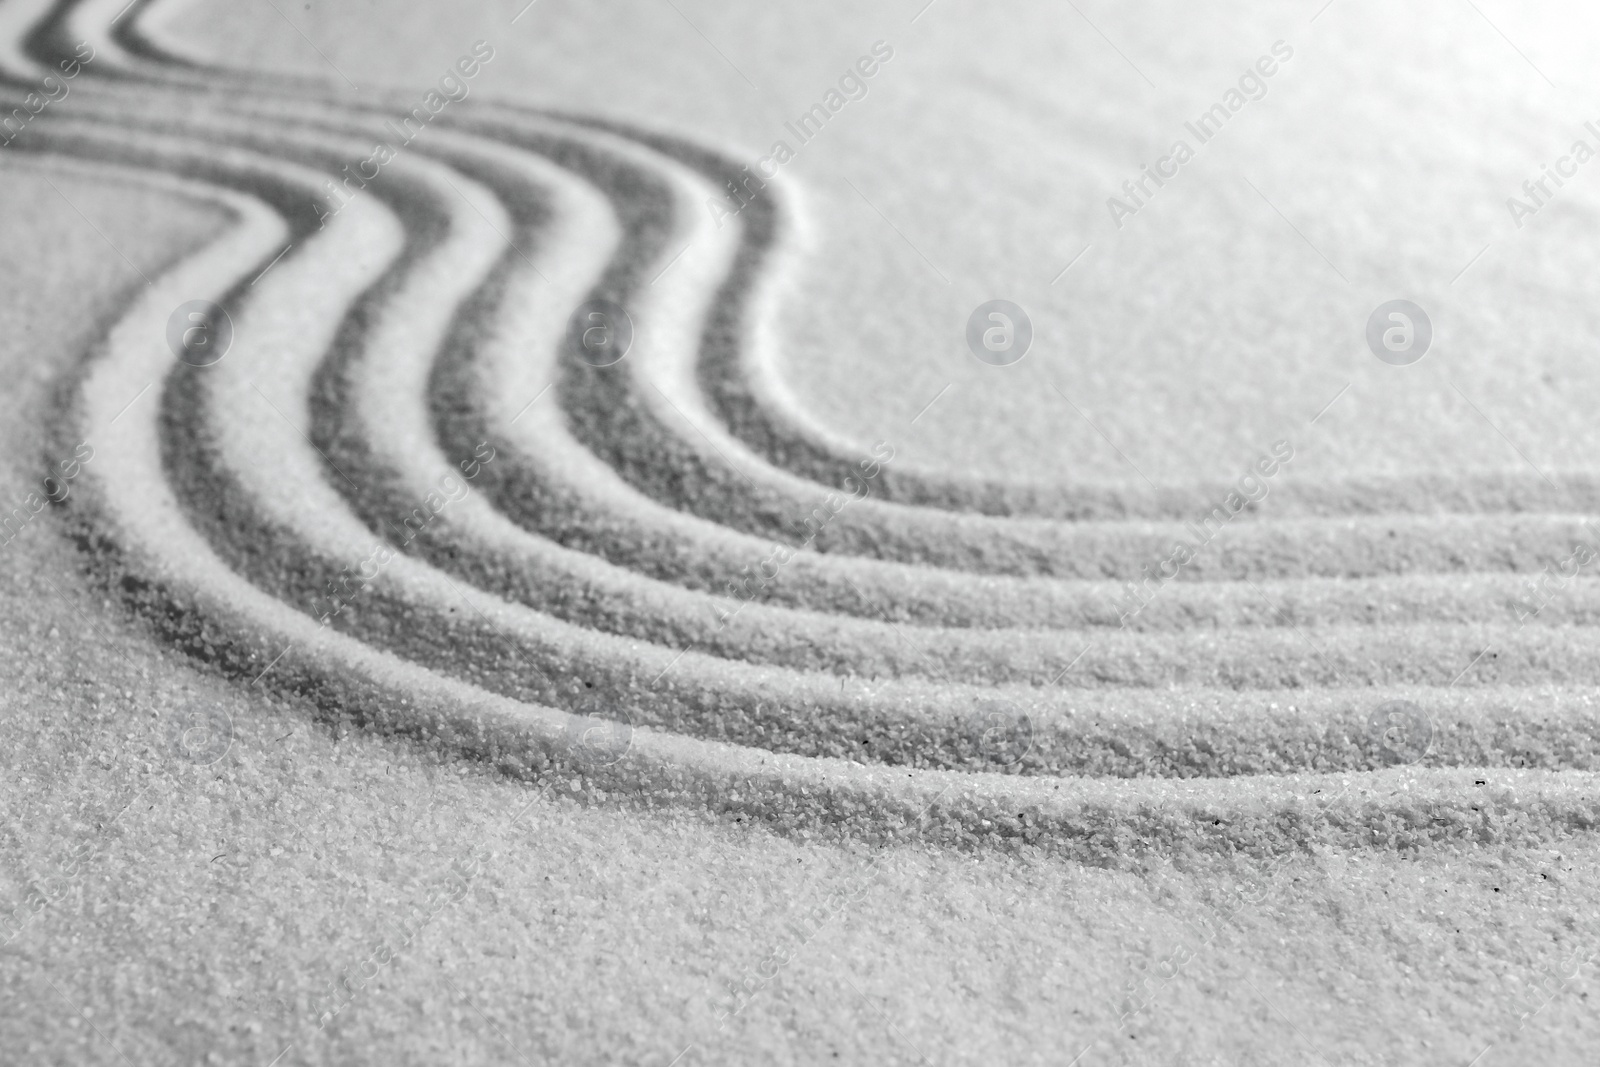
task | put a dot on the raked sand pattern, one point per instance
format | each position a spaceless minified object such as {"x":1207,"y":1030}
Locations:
{"x":423,"y":489}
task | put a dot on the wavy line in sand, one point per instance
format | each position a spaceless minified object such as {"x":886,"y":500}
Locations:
{"x":204,"y":593}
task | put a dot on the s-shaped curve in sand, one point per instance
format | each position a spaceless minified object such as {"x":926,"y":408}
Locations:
{"x":939,"y":660}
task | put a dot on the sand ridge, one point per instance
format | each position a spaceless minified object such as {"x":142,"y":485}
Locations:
{"x":381,"y":343}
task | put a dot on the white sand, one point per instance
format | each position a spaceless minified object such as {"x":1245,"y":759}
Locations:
{"x":804,"y":847}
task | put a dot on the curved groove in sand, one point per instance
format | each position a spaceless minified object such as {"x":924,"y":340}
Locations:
{"x":221,"y":526}
{"x":755,"y":413}
{"x":141,"y":524}
{"x":1105,"y":672}
{"x":294,"y":547}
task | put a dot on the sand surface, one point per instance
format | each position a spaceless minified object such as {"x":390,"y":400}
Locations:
{"x":598,"y":752}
